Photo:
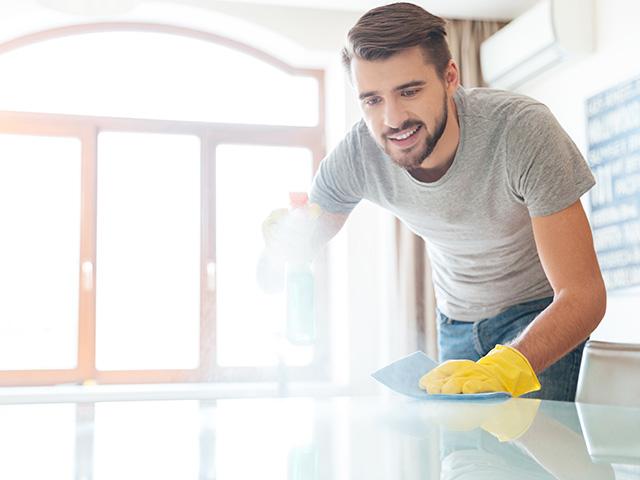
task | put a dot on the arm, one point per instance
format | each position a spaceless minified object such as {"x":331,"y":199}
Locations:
{"x":327,"y":226}
{"x":565,"y":247}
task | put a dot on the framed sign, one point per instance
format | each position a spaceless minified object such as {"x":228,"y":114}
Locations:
{"x":613,"y":131}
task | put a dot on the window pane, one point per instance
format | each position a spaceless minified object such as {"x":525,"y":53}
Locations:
{"x":40,"y":217}
{"x":148,"y":251}
{"x":37,"y":441}
{"x":131,"y":443}
{"x":242,"y":202}
{"x":153,"y":75}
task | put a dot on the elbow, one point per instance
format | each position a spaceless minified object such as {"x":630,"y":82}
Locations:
{"x":597,"y":301}
{"x":601,"y":299}
{"x":589,"y":298}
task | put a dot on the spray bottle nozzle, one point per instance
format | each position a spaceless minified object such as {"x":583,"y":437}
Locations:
{"x":298,"y":199}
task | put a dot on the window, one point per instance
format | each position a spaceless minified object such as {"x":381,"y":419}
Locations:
{"x":148,"y":251}
{"x":39,"y":254}
{"x":133,"y":187}
{"x":155,"y":75}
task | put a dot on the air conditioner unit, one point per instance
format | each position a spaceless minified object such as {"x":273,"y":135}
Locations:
{"x":549,"y":34}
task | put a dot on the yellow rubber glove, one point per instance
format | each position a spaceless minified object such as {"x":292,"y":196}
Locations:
{"x":503,"y":369}
{"x":269,"y":225}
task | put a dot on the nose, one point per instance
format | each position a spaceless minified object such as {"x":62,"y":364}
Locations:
{"x":394,"y":114}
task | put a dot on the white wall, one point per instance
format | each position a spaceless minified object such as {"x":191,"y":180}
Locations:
{"x":565,"y":91}
{"x":314,"y":29}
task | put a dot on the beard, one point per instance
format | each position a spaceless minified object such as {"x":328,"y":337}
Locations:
{"x":413,"y":157}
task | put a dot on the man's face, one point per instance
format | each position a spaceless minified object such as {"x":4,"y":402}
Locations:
{"x":405,"y":104}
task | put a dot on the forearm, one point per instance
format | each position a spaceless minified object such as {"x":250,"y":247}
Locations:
{"x":565,"y":247}
{"x":326,"y":227}
{"x":571,"y":317}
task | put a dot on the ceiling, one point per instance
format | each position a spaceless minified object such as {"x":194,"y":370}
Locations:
{"x":470,"y":9}
{"x":473,"y":9}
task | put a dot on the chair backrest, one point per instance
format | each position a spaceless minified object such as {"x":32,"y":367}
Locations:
{"x":610,"y":374}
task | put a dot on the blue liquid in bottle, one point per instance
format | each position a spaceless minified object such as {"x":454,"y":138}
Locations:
{"x":301,"y":325}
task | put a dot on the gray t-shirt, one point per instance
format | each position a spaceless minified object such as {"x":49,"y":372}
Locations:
{"x":514,"y":161}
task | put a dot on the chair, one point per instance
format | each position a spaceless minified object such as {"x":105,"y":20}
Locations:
{"x":610,"y":374}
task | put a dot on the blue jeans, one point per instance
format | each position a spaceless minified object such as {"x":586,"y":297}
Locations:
{"x":472,"y":340}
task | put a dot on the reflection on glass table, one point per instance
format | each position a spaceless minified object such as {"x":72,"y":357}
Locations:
{"x":318,"y":439}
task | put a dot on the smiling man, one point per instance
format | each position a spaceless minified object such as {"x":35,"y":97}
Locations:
{"x":493,"y":184}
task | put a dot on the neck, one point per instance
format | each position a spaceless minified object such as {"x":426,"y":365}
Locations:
{"x":438,"y":163}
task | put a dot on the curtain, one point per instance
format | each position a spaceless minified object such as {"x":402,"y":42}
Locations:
{"x":415,"y":298}
{"x":465,"y":37}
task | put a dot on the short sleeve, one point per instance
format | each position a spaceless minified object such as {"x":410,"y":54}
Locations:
{"x":545,"y":168}
{"x":338,"y":184}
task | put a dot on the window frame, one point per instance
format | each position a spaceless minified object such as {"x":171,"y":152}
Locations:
{"x":87,"y":129}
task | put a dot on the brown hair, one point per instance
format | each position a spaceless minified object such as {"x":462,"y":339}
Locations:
{"x":387,"y":30}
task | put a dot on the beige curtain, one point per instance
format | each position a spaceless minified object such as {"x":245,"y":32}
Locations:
{"x":415,"y":296}
{"x":465,"y":37}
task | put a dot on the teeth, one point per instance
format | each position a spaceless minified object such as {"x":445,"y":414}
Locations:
{"x":405,"y":135}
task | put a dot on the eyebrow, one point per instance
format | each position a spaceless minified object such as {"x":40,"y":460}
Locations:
{"x":414,"y":83}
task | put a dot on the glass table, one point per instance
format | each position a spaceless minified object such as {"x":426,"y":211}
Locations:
{"x":318,"y":439}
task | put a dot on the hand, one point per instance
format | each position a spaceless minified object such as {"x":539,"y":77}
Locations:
{"x":503,"y":369}
{"x":290,"y":235}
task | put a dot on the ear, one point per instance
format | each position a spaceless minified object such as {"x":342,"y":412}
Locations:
{"x":452,"y":77}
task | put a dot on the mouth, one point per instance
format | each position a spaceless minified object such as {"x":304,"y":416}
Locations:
{"x":405,"y":138}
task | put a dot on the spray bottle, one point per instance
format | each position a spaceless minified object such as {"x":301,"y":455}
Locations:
{"x":299,"y":282}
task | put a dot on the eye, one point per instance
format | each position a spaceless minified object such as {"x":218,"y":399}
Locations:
{"x":371,"y":101}
{"x":411,"y":92}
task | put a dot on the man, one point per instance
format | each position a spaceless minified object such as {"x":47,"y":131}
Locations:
{"x":493,"y":183}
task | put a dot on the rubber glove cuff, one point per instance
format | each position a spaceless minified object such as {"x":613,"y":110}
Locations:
{"x":513,"y":369}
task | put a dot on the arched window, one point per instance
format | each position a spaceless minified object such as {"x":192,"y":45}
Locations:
{"x":137,"y":162}
{"x":156,"y":72}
